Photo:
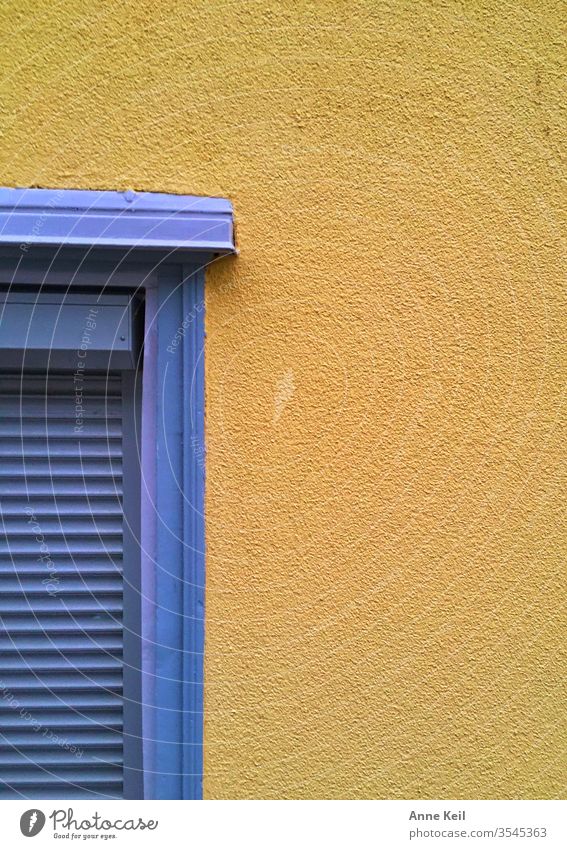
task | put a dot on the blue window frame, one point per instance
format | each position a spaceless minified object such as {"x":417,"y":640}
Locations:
{"x":156,"y":246}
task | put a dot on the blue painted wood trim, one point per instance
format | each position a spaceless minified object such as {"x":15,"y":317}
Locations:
{"x":148,"y":529}
{"x":144,"y":220}
{"x":194,"y":531}
{"x":180,"y":538}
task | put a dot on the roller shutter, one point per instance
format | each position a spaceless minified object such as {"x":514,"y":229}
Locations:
{"x":61,"y":587}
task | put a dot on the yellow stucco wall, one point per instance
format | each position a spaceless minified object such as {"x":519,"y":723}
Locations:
{"x":384,"y":373}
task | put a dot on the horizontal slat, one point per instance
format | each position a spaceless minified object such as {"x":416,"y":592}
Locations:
{"x":63,"y":428}
{"x":40,"y":382}
{"x":67,"y":526}
{"x":60,"y":624}
{"x":79,"y":466}
{"x":56,"y":662}
{"x":57,"y":604}
{"x":24,"y":547}
{"x":64,"y":791}
{"x":32,"y":487}
{"x":68,"y":644}
{"x":63,"y":682}
{"x":92,"y":721}
{"x":81,"y":701}
{"x":38,"y":740}
{"x":58,"y":390}
{"x":57,"y":757}
{"x":95,"y":586}
{"x":80,"y":565}
{"x":13,"y":506}
{"x":60,"y":407}
{"x":19,"y":776}
{"x":58,"y":449}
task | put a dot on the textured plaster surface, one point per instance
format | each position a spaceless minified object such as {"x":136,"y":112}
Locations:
{"x":385,"y":371}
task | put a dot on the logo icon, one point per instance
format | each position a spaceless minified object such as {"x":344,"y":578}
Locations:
{"x":32,"y":822}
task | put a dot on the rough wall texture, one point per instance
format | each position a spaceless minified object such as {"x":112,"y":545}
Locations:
{"x":384,"y":369}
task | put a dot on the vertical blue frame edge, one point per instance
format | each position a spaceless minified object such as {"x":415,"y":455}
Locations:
{"x":172,"y":237}
{"x":180,"y":537}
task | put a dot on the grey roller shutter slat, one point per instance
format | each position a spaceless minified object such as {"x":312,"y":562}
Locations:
{"x":61,"y":589}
